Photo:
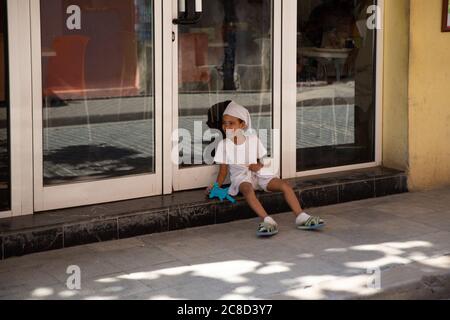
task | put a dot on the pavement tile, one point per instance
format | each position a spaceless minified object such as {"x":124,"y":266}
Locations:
{"x":14,"y":281}
{"x":402,"y":238}
{"x":136,"y":257}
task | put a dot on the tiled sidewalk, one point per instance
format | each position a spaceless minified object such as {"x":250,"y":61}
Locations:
{"x":402,"y":238}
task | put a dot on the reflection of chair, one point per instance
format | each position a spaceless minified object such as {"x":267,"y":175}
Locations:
{"x":132,"y":62}
{"x":193,"y":58}
{"x":66,"y":70}
{"x":110,"y":43}
{"x":66,"y":73}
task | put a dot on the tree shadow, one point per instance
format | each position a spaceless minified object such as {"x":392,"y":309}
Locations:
{"x":247,"y":278}
{"x":86,"y":162}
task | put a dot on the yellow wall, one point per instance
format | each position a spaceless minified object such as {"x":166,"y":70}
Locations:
{"x":395,"y":84}
{"x":429,"y":97}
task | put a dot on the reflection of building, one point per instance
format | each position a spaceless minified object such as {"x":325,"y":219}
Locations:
{"x":111,"y":57}
{"x":239,"y":46}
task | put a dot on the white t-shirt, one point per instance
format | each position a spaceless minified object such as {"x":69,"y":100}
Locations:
{"x":239,"y":157}
{"x":244,"y":154}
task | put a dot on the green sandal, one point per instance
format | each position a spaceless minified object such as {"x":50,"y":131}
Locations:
{"x":266,"y":230}
{"x":313,"y":223}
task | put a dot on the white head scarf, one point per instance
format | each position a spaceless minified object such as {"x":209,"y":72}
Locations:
{"x":238,"y":111}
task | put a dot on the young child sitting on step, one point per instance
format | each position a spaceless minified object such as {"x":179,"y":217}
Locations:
{"x":241,"y":154}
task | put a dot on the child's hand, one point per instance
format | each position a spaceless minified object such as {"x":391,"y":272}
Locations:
{"x":255,"y":167}
{"x":208,"y":189}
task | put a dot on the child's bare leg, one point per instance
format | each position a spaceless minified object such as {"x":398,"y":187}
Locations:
{"x":302,"y":219}
{"x":249,"y":193}
{"x":278,"y":185}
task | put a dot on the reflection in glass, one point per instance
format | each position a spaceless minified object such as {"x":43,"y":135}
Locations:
{"x":335,"y":84}
{"x":97,"y":75}
{"x":226,"y":56}
{"x":5,"y":189}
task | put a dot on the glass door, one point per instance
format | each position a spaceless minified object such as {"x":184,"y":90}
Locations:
{"x":97,"y":101}
{"x":333,"y":85}
{"x":336,"y":84}
{"x":223,"y":51}
{"x":5,"y":169}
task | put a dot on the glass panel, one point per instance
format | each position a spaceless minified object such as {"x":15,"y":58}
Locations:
{"x":5,"y":190}
{"x":226,"y":56}
{"x":98,"y":89}
{"x":335,"y":84}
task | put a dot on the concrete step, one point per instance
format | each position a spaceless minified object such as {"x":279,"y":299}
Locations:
{"x":119,"y":220}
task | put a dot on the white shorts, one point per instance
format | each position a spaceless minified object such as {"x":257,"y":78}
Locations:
{"x":258,"y":183}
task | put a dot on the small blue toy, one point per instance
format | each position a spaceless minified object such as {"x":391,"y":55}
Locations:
{"x":220,"y":193}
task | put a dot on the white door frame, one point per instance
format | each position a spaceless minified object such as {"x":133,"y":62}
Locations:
{"x":72,"y":195}
{"x":289,"y":168}
{"x":202,"y":176}
{"x":167,"y":63}
{"x":21,"y":122}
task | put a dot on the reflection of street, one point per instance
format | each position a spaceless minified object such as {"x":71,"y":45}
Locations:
{"x":122,"y":130}
{"x":325,"y":126}
{"x":325,"y":115}
{"x":116,"y":149}
{"x":98,"y":139}
{"x":98,"y":111}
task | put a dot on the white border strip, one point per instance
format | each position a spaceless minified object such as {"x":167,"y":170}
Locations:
{"x":289,"y":88}
{"x":277,"y":82}
{"x":167,"y":30}
{"x":37,"y":103}
{"x":21,"y":121}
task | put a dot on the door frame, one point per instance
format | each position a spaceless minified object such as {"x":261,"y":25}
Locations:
{"x":290,"y":97}
{"x":202,"y":176}
{"x":108,"y":190}
{"x":21,"y":121}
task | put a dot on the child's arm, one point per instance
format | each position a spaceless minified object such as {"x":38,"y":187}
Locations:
{"x":223,"y":172}
{"x":256,"y":167}
{"x":261,"y":154}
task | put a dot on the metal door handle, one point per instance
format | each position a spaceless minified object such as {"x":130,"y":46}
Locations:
{"x":186,"y":17}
